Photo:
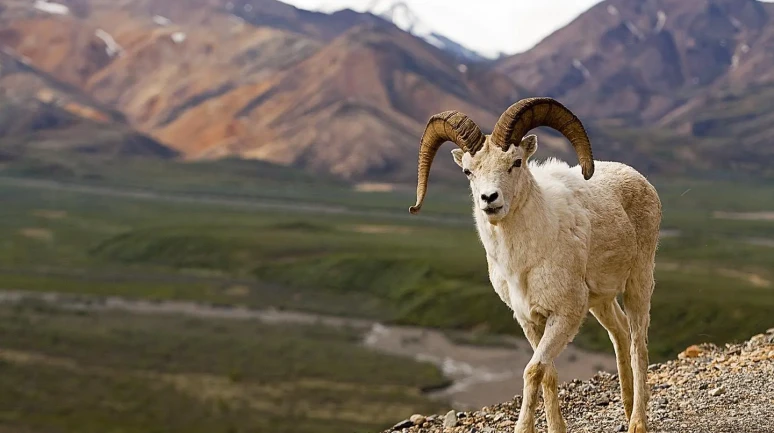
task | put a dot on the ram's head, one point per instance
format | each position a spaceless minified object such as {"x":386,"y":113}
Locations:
{"x":496,"y":163}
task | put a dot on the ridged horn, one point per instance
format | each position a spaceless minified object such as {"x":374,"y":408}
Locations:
{"x":530,"y":113}
{"x":447,"y":126}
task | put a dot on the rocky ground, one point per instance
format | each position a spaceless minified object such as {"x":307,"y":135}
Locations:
{"x":708,"y":389}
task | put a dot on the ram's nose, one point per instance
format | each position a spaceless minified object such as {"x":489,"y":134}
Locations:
{"x":490,"y":197}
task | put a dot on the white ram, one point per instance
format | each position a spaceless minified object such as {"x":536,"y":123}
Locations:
{"x":560,"y":241}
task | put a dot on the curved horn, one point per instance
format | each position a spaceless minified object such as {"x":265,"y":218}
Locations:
{"x":447,"y":126}
{"x":531,"y":113}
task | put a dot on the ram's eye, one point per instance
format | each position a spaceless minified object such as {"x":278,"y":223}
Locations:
{"x":467,"y":172}
{"x":516,"y":163}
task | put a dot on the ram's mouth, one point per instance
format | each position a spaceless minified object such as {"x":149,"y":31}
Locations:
{"x":493,"y":210}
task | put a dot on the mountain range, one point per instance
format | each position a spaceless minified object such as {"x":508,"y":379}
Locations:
{"x":669,"y":86}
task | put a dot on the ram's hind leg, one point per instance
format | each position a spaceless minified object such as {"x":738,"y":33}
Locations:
{"x":554,"y":417}
{"x":616,"y":323}
{"x":637,"y":296}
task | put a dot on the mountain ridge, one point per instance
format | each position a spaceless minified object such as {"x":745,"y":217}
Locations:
{"x":349,"y":93}
{"x":641,"y":60}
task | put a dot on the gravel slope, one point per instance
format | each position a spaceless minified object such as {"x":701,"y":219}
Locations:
{"x":708,"y":389}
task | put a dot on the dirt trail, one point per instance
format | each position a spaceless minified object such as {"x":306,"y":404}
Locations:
{"x":481,"y":375}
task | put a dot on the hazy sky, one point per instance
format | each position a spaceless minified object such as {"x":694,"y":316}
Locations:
{"x":483,"y":25}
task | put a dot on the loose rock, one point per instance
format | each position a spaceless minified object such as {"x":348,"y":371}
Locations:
{"x":403,"y":424}
{"x":450,"y":420}
{"x":417,"y":419}
{"x":717,"y":391}
{"x":691,"y":352}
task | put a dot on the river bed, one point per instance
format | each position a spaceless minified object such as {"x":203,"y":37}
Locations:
{"x":480,"y":375}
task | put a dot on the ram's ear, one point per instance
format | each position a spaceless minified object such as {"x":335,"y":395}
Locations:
{"x":529,"y":144}
{"x":457,"y":154}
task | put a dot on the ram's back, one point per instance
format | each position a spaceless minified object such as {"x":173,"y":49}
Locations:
{"x":621,"y":215}
{"x":635,"y":195}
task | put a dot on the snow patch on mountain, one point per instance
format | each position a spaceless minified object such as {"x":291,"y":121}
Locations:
{"x":178,"y":37}
{"x":111,"y":46}
{"x":662,"y":19}
{"x":635,"y":30}
{"x":51,"y":7}
{"x":402,"y":15}
{"x":577,"y":64}
{"x":161,"y":20}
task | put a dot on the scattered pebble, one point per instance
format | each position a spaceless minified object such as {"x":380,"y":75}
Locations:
{"x":417,"y":419}
{"x":691,"y":352}
{"x":403,"y":424}
{"x":717,"y":391}
{"x":450,"y":420}
{"x":708,"y":389}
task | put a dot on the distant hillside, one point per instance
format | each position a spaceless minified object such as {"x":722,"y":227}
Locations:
{"x":42,"y":121}
{"x":638,"y":60}
{"x":346,"y":93}
{"x":665,"y":83}
{"x":349,"y":93}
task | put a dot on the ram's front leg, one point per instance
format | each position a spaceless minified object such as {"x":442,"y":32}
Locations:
{"x":559,"y":330}
{"x":534,"y":332}
{"x":533,"y":377}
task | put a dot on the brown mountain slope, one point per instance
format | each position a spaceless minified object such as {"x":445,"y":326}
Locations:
{"x":350,"y":93}
{"x":740,"y":122}
{"x":356,"y":106}
{"x":638,"y":60}
{"x":40,"y":116}
{"x":155,"y":70}
{"x":346,"y":93}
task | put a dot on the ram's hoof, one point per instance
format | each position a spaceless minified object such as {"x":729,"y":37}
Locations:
{"x":637,"y":427}
{"x":525,"y":428}
{"x":559,"y":427}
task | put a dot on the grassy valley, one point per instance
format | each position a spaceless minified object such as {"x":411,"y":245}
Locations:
{"x":98,"y":372}
{"x":256,"y":235}
{"x":327,"y":248}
